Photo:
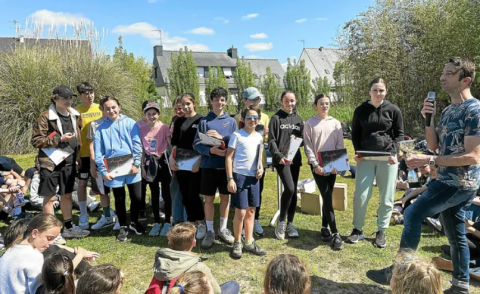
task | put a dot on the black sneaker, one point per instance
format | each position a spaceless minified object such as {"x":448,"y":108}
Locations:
{"x":122,"y":234}
{"x":254,"y":248}
{"x":337,"y":243}
{"x":137,"y":228}
{"x":355,"y":236}
{"x":380,"y":241}
{"x":456,"y":290}
{"x":382,"y":276}
{"x":325,"y":235}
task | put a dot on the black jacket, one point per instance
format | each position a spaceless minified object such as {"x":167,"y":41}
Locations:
{"x":282,"y":126}
{"x":377,"y":129}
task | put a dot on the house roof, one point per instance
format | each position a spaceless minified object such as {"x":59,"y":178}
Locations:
{"x":222,"y":59}
{"x":323,"y":60}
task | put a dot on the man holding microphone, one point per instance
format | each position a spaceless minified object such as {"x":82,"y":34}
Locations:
{"x":457,"y":136}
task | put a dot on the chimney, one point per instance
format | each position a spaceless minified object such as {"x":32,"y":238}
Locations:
{"x":321,"y":48}
{"x":22,"y":39}
{"x":232,"y":52}
{"x":157,"y":50}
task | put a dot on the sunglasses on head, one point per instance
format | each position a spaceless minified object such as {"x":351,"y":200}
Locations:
{"x":251,"y":117}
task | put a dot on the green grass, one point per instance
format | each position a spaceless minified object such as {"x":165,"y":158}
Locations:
{"x":331,"y":272}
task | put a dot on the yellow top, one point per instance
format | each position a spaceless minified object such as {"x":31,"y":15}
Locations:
{"x":264,"y":121}
{"x":88,"y":115}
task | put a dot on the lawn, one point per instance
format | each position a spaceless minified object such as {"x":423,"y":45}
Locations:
{"x":331,"y":272}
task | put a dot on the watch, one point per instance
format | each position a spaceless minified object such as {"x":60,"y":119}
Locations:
{"x":137,"y":165}
{"x":432,"y":161}
{"x":229,"y":178}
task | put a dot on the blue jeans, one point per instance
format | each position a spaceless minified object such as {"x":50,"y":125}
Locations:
{"x":230,"y":287}
{"x":473,"y":212}
{"x":179,"y":213}
{"x":450,"y":202}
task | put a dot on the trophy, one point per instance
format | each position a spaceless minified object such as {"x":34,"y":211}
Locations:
{"x":407,"y":147}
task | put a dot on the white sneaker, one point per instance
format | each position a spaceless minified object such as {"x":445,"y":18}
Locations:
{"x":93,"y":206}
{"x":201,"y":231}
{"x":83,"y":222}
{"x":116,"y":227}
{"x":103,"y":222}
{"x":59,"y":240}
{"x":257,"y":228}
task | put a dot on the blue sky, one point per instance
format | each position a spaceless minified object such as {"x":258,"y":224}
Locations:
{"x":263,"y":29}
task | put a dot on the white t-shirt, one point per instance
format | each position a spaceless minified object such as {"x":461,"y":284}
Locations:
{"x":246,"y":155}
{"x":21,"y":270}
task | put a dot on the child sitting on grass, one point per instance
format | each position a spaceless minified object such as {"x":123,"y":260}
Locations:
{"x":412,"y":274}
{"x":286,"y":274}
{"x":194,"y":282}
{"x":105,"y":279}
{"x":177,"y":259}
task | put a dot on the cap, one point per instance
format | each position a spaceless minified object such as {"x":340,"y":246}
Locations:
{"x":251,"y":93}
{"x":63,"y":91}
{"x":151,"y":105}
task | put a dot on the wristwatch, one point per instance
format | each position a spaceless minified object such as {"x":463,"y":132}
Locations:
{"x":432,"y":161}
{"x":229,"y":178}
{"x":137,"y":165}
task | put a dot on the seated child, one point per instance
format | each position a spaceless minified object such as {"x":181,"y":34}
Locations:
{"x":286,"y":274}
{"x":57,"y":275}
{"x":194,"y":282}
{"x":105,"y":279}
{"x":413,"y":274}
{"x":177,"y":259}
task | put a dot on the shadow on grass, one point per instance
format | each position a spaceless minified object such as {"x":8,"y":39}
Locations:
{"x":322,"y":285}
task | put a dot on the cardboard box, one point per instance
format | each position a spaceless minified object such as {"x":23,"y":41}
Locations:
{"x":311,"y":203}
{"x":339,"y":197}
{"x":307,"y":185}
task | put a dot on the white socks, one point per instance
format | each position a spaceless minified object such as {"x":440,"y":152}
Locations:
{"x":210,"y":226}
{"x":83,"y":207}
{"x":223,"y":223}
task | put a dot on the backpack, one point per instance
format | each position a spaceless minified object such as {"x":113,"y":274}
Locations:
{"x":160,"y":287}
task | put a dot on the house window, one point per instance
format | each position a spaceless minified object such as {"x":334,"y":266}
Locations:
{"x":201,"y":72}
{"x":277,"y":76}
{"x":155,"y":72}
{"x":227,"y":71}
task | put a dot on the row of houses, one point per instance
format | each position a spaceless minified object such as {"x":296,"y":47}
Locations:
{"x":319,"y":61}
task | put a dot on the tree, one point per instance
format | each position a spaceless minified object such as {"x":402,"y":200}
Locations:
{"x":320,"y":86}
{"x":297,"y":79}
{"x":271,"y":89}
{"x":215,"y":78}
{"x":244,"y":78}
{"x":183,"y":75}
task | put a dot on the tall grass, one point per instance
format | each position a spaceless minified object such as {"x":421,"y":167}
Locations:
{"x":30,"y":72}
{"x":338,"y":110}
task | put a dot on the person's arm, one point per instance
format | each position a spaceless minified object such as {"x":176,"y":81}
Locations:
{"x":232,"y":186}
{"x":356,"y":131}
{"x":398,"y":133}
{"x":476,"y":201}
{"x":199,"y":147}
{"x":273,"y":132}
{"x":80,"y":253}
{"x":471,"y":156}
{"x":136,"y":145}
{"x":339,"y":144}
{"x":99,"y":152}
{"x":40,"y":136}
{"x":310,"y":151}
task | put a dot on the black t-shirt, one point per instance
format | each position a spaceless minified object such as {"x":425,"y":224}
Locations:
{"x":67,"y":127}
{"x":6,"y":163}
{"x":184,"y":131}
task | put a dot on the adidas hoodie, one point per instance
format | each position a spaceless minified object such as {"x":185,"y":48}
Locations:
{"x":377,"y":128}
{"x":282,"y":126}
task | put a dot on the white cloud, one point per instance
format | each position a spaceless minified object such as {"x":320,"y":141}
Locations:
{"x":301,"y":20}
{"x":321,"y":19}
{"x":252,"y":47}
{"x":259,"y":36}
{"x":250,"y":16}
{"x":222,"y":19}
{"x":150,"y":32}
{"x":202,"y":31}
{"x":48,"y":17}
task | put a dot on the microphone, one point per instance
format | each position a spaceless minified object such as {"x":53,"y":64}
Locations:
{"x":428,"y":116}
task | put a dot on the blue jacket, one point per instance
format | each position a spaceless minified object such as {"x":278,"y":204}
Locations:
{"x":225,"y":126}
{"x":120,"y":137}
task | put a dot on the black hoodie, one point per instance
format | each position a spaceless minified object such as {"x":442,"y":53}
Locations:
{"x":377,"y":128}
{"x":282,"y":126}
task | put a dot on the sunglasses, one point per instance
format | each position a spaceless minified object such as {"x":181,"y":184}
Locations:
{"x":251,"y":117}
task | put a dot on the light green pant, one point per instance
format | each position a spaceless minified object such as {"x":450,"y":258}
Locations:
{"x":386,"y":177}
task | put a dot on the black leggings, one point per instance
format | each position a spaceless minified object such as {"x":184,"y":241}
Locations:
{"x":325,"y":185}
{"x":134,"y":191}
{"x":164,"y":177}
{"x":289,"y":176}
{"x":144,"y":195}
{"x":257,"y":211}
{"x":189,"y":184}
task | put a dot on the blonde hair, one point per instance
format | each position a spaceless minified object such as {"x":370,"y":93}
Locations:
{"x":194,"y":282}
{"x":414,"y":274}
{"x":181,"y":236}
{"x":286,"y":274}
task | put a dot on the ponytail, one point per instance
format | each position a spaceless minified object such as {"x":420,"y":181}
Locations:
{"x":57,"y":274}
{"x":194,"y":282}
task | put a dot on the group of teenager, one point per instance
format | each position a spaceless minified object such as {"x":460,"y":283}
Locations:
{"x":236,"y":167}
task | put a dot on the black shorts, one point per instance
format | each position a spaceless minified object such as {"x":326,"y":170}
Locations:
{"x":62,"y":177}
{"x":248,"y":192}
{"x":84,"y":171}
{"x":213,"y":179}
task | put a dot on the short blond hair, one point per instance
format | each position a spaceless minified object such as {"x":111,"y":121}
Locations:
{"x":181,"y":236}
{"x":414,"y":274}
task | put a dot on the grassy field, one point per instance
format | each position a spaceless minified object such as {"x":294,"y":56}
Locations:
{"x":331,"y":272}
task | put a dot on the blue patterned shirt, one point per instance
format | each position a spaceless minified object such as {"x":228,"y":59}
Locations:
{"x":457,"y":122}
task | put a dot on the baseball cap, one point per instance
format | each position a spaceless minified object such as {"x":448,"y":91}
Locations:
{"x":151,"y":105}
{"x":251,"y":93}
{"x":63,"y":91}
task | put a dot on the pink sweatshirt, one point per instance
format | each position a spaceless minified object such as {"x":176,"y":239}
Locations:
{"x":321,"y":135}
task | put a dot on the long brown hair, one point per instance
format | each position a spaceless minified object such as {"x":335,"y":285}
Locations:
{"x":21,"y":230}
{"x":194,"y":282}
{"x":286,"y":274}
{"x":57,"y":274}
